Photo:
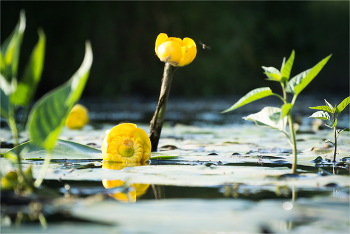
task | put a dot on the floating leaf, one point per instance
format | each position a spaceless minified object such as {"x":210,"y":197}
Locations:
{"x":62,"y":150}
{"x":250,"y":97}
{"x":269,"y":117}
{"x":32,"y":74}
{"x":343,"y":104}
{"x":272,"y":73}
{"x":299,"y":82}
{"x":322,"y":108}
{"x":48,"y":115}
{"x":286,"y":68}
{"x":321,"y":115}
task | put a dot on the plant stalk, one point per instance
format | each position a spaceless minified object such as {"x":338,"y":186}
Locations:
{"x":292,"y":132}
{"x":43,"y":170}
{"x":158,"y":117}
{"x":335,"y":144}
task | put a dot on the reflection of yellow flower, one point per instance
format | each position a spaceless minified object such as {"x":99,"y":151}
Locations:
{"x":77,"y":117}
{"x":137,"y":191}
{"x":126,"y":143}
{"x":175,"y":51}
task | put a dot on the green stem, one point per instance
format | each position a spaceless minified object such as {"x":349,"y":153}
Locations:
{"x":335,"y":141}
{"x":158,"y":117}
{"x":284,"y":91}
{"x":292,"y":132}
{"x":279,"y":96}
{"x":13,"y":127}
{"x":43,"y":170}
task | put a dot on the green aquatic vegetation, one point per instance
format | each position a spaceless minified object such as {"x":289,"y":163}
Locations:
{"x":47,"y":117}
{"x":275,"y":117}
{"x":332,"y":119}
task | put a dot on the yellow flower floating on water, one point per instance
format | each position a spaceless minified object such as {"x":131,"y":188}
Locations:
{"x":175,"y":51}
{"x":77,"y":117}
{"x":137,"y":189}
{"x":126,"y":143}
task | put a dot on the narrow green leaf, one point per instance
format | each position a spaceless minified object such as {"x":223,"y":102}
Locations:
{"x":328,"y":141}
{"x":322,"y":108}
{"x":272,"y":73}
{"x":48,"y":115}
{"x":11,"y":48}
{"x":286,"y":109}
{"x":2,"y":63}
{"x":286,"y":69}
{"x":5,"y":91}
{"x":63,"y":150}
{"x":327,"y":125}
{"x":335,"y":123}
{"x":269,"y":117}
{"x":27,"y":86}
{"x":299,"y":82}
{"x":321,"y":115}
{"x":330,"y":106}
{"x":345,"y":129}
{"x":250,"y":97}
{"x":343,"y":104}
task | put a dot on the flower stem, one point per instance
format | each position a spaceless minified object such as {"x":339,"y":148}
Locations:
{"x":43,"y":170}
{"x":335,"y":144}
{"x":158,"y":117}
{"x":292,"y":132}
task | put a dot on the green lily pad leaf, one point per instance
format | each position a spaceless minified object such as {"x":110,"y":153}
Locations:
{"x":321,"y":115}
{"x":322,"y":108}
{"x":49,"y":114}
{"x":286,"y":68}
{"x":62,"y":150}
{"x":269,"y":117}
{"x":250,"y":97}
{"x":272,"y":73}
{"x":343,"y":104}
{"x":27,"y":86}
{"x":299,"y":82}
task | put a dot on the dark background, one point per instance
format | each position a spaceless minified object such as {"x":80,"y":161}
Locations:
{"x":243,"y":37}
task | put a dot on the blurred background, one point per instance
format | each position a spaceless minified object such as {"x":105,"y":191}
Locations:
{"x":126,"y":74}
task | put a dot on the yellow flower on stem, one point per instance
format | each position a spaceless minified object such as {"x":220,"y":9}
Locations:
{"x":175,"y":51}
{"x":126,"y":143}
{"x":137,"y":190}
{"x":77,"y":117}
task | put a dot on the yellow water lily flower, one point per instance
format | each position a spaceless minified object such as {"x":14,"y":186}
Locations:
{"x":126,"y":143}
{"x":137,"y":189}
{"x":77,"y":117}
{"x":175,"y":51}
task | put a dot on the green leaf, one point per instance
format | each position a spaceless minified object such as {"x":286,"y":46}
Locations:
{"x":269,"y":117}
{"x":343,"y":104}
{"x":164,"y":157}
{"x":322,"y":108}
{"x":299,"y":82}
{"x":48,"y":115}
{"x":62,"y":150}
{"x":330,"y":106}
{"x":286,"y":109}
{"x":27,"y":86}
{"x":321,"y":115}
{"x":286,"y":68}
{"x":5,"y":91}
{"x":250,"y":97}
{"x":335,"y":123}
{"x":11,"y":48}
{"x":345,"y":129}
{"x":272,"y":73}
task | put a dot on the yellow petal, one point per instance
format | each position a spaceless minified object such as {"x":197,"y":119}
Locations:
{"x":191,"y":45}
{"x":162,"y":37}
{"x":170,"y":52}
{"x":177,"y":40}
{"x":77,"y":117}
{"x":186,"y":57}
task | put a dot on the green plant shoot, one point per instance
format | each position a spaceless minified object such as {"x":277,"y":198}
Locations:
{"x":48,"y":115}
{"x":332,"y":119}
{"x":274,"y":117}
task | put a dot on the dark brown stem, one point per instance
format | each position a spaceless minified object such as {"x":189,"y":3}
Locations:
{"x":158,"y":117}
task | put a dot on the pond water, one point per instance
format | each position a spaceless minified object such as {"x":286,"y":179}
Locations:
{"x":213,"y":173}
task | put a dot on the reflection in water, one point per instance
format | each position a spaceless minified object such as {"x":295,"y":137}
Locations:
{"x":135,"y":190}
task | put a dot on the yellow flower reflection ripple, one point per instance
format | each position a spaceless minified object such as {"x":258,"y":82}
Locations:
{"x":137,"y":189}
{"x":77,"y":117}
{"x":175,"y":51}
{"x":126,"y":143}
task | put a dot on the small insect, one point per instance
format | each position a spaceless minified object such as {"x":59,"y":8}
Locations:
{"x":204,"y":46}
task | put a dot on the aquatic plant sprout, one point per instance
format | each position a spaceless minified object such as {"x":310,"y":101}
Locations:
{"x":78,"y":117}
{"x":175,"y":53}
{"x":333,"y":119}
{"x":126,"y":143}
{"x":274,"y":117}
